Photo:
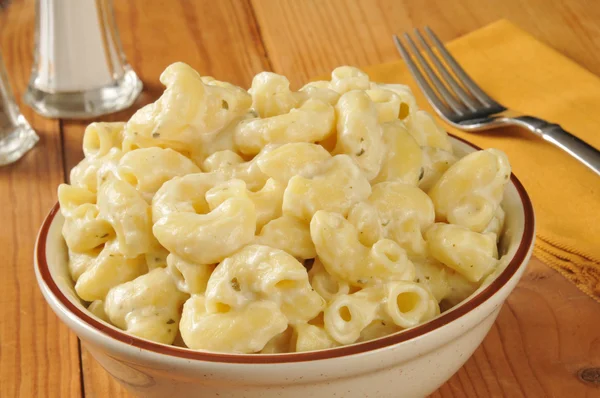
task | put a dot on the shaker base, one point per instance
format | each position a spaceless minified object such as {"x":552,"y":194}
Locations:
{"x":17,"y":142}
{"x":85,"y":104}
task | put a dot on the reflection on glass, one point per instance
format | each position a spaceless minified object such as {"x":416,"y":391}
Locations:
{"x":79,"y":68}
{"x":16,"y":136}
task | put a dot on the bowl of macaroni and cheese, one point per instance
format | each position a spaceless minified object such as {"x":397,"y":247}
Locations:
{"x":330,"y":241}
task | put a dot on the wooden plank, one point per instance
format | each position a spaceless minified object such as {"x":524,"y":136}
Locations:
{"x":218,"y":38}
{"x":545,"y":334}
{"x":38,"y":355}
{"x":309,"y":38}
{"x":98,"y":382}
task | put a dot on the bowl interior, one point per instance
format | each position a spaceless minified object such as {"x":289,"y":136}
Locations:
{"x":512,"y":203}
{"x":515,"y":244}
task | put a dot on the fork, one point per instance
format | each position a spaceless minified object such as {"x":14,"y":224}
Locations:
{"x":464,"y":105}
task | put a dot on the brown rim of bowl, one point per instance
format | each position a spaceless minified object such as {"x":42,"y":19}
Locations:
{"x":359,"y":348}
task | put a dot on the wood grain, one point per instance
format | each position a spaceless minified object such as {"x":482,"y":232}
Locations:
{"x":310,"y":37}
{"x":544,"y":335}
{"x":546,"y":332}
{"x":97,"y":382}
{"x":38,"y":355}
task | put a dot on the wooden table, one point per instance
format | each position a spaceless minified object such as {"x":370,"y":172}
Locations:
{"x":546,"y":333}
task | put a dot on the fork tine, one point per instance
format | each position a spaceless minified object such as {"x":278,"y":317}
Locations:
{"x":438,"y":105}
{"x":460,"y":73}
{"x":434,"y":79}
{"x":458,"y":90}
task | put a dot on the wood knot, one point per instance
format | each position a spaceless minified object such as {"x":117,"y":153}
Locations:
{"x":590,"y":375}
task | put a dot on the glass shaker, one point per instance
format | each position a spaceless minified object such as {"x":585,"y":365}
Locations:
{"x":16,"y":136}
{"x":79,"y":68}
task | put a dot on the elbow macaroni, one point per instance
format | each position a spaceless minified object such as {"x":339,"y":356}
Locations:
{"x":336,"y":185}
{"x":359,"y":134}
{"x":148,"y":169}
{"x":242,"y":331}
{"x":90,"y":173}
{"x":435,"y":163}
{"x":124,"y":208}
{"x":313,"y":121}
{"x":294,"y":159}
{"x":408,"y":104}
{"x":290,"y":235}
{"x":346,"y":258}
{"x":100,"y":138}
{"x":232,"y":166}
{"x":404,"y":158}
{"x":426,"y":131}
{"x":275,"y":221}
{"x":263,"y":273}
{"x":469,"y":253}
{"x":177,"y":120}
{"x":107,"y":270}
{"x":271,"y":95}
{"x":147,"y":306}
{"x":347,"y":78}
{"x":404,"y":212}
{"x":470,"y":191}
{"x":327,"y":285}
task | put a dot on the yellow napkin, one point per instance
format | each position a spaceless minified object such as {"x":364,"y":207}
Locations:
{"x":526,"y":75}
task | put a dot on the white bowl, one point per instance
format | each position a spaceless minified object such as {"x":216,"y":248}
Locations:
{"x":412,"y":363}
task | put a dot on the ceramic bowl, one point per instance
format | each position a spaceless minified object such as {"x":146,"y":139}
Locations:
{"x":411,"y":363}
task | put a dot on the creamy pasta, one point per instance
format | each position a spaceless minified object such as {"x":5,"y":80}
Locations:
{"x":273,"y":220}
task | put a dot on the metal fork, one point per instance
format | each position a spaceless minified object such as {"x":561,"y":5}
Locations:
{"x":463,"y":104}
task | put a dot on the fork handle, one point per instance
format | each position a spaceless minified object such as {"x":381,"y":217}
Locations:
{"x":553,"y":133}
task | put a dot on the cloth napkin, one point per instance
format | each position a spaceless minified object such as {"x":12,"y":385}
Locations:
{"x":526,"y":75}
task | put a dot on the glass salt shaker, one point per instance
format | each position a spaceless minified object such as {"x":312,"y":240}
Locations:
{"x":79,"y":69}
{"x":16,"y":136}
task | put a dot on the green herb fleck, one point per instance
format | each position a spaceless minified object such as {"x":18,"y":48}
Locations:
{"x":360,"y":152}
{"x":155,"y":135}
{"x":224,"y":104}
{"x":170,"y":321}
{"x":235,"y":284}
{"x":422,"y":173}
